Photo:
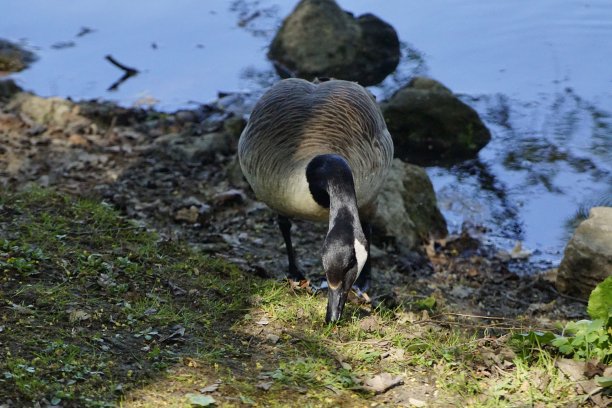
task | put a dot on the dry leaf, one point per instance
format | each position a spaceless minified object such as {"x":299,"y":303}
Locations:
{"x":369,"y":324}
{"x":382,"y":382}
{"x":272,"y":338}
{"x":417,"y":402}
{"x":573,"y":369}
{"x":210,"y":388}
{"x":263,"y":321}
{"x":265,"y":385}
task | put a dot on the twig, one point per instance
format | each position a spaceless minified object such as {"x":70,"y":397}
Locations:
{"x":473,"y":316}
{"x":129,"y":72}
{"x":110,"y":127}
{"x":575,"y":299}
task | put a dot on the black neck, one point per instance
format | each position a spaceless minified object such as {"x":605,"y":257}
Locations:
{"x":331,"y":183}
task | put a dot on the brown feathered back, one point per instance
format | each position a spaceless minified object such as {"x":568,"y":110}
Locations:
{"x":296,"y":120}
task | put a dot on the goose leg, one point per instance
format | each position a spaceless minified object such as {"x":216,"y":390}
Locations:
{"x":285,"y":226}
{"x":363,"y":281}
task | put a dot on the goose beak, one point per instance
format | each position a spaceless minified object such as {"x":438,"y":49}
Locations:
{"x":335,"y":304}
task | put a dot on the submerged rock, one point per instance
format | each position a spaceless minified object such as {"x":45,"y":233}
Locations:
{"x":429,"y":124}
{"x":13,"y":58}
{"x":587,"y":260}
{"x":319,"y":39}
{"x":407,"y":207}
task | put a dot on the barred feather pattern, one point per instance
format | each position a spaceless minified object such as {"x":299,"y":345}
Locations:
{"x":296,"y":120}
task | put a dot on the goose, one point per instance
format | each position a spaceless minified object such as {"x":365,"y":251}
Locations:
{"x":320,"y":151}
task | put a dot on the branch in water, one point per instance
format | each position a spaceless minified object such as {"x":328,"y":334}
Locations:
{"x":129,"y":72}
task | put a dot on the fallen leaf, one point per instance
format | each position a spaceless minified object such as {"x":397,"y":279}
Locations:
{"x":518,"y":253}
{"x":265,"y":385}
{"x":369,"y":324}
{"x":303,"y":284}
{"x":272,"y":338}
{"x":210,"y":388}
{"x":78,"y":315}
{"x":176,"y":289}
{"x":605,"y":382}
{"x":461,"y":291}
{"x":573,"y":369}
{"x":200,"y":400}
{"x":594,"y":368}
{"x":382,"y":382}
{"x":179,"y":331}
{"x":416,"y":402}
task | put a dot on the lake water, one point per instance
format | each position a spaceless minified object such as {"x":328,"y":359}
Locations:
{"x":539,"y":73}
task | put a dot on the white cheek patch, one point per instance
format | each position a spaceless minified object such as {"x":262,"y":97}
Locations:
{"x":361,"y":254}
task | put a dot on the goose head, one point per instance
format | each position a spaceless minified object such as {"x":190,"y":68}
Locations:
{"x":344,"y":255}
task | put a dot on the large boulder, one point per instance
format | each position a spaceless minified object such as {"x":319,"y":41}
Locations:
{"x":430,"y":125}
{"x":407,"y":208}
{"x":587,"y":260}
{"x":13,"y":58}
{"x":319,"y":39}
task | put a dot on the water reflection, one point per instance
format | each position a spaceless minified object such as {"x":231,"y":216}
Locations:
{"x":255,"y":18}
{"x":412,"y":63}
{"x":548,"y":163}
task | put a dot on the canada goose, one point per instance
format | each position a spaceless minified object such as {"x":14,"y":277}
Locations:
{"x":320,"y":151}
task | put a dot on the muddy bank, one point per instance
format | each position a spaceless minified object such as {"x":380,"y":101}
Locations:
{"x":140,"y":161}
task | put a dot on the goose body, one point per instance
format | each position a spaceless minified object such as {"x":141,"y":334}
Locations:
{"x":320,"y":151}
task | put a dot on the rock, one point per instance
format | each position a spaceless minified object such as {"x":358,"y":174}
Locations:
{"x":429,"y":124}
{"x":407,"y":208}
{"x":319,"y":39}
{"x":53,"y":112}
{"x":8,"y":88}
{"x":189,"y":214}
{"x":234,"y":125}
{"x":587,"y":260}
{"x":13,"y":58}
{"x":190,"y":148}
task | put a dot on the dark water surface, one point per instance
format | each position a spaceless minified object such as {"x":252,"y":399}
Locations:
{"x":539,"y":73}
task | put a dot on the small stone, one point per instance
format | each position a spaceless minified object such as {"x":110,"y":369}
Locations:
{"x":76,"y":139}
{"x":416,"y":402}
{"x":189,"y":215}
{"x":210,"y":388}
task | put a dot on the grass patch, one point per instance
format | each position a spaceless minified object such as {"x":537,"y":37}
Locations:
{"x":94,"y":305}
{"x":97,"y":311}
